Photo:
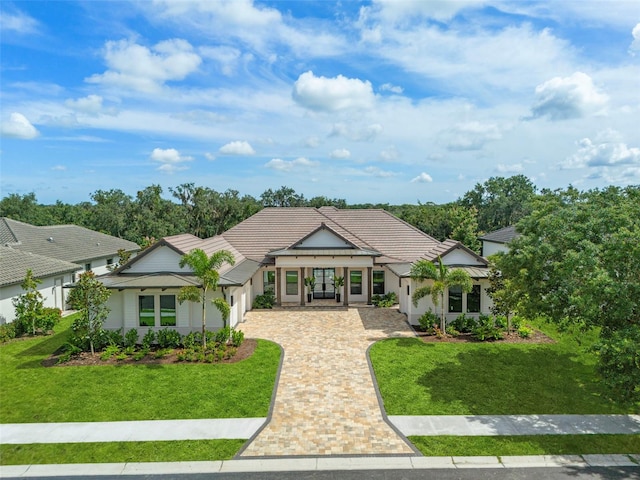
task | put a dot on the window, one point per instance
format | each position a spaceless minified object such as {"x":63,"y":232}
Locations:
{"x":109,"y":261}
{"x":378,"y":282}
{"x":455,"y":299}
{"x":269,"y":281}
{"x":473,"y":300}
{"x":292,"y":282}
{"x":146,"y":310}
{"x":355,"y":282}
{"x":167,"y":310}
{"x":87,"y":267}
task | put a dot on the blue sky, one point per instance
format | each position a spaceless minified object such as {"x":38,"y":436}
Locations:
{"x":372,"y":101}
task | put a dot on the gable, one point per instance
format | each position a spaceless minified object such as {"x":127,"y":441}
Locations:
{"x":161,"y":259}
{"x":459,"y":256}
{"x":323,"y":238}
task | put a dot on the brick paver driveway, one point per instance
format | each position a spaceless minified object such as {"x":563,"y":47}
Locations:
{"x":326,"y":402}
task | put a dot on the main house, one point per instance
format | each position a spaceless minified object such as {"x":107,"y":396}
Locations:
{"x":275,"y":250}
{"x":55,"y":254}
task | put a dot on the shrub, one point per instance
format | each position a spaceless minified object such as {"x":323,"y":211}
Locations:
{"x":163,"y":352}
{"x":109,"y":352}
{"x":427,"y":320}
{"x":192,"y":340}
{"x":114,"y":337}
{"x":169,"y":338}
{"x":140,"y":354}
{"x":131,"y":338}
{"x":70,"y":351}
{"x":148,"y":339}
{"x":222,"y":335}
{"x":7,"y":332}
{"x":266,"y":300}
{"x":451,"y":330}
{"x":525,"y":332}
{"x":50,"y":318}
{"x":501,"y":322}
{"x":485,"y":329}
{"x":516,"y":322}
{"x":237,"y":337}
{"x":387,"y":300}
{"x":463,"y":324}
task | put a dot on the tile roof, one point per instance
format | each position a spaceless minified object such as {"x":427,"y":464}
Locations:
{"x":504,"y":235}
{"x":370,"y":229}
{"x":15,"y":264}
{"x":70,"y":243}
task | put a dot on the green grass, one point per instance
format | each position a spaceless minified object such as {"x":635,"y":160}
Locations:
{"x":417,"y":378}
{"x":33,"y":393}
{"x":119,"y":452}
{"x":527,"y":445}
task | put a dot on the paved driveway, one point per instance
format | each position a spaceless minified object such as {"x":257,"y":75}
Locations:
{"x":326,"y":403}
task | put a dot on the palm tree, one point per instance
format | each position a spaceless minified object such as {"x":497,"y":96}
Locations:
{"x":443,"y":278}
{"x":206,"y":269}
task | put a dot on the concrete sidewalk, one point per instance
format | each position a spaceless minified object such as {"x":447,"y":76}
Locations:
{"x":244,"y":428}
{"x":481,"y":425}
{"x":137,"y":431}
{"x":319,"y":464}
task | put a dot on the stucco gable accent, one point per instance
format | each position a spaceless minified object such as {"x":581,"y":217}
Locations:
{"x":323,"y":237}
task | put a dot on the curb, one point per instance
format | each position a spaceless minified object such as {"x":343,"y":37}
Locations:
{"x":292,"y":464}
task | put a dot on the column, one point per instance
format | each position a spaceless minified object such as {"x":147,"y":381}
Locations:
{"x":369,"y":284}
{"x":278,"y":286}
{"x":303,"y":293}
{"x":345,"y":293}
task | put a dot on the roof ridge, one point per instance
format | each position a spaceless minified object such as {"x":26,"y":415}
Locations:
{"x":10,"y":231}
{"x":407,"y":224}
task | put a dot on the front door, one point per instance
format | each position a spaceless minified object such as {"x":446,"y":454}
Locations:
{"x":324,"y":287}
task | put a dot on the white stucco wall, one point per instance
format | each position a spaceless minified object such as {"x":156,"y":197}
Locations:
{"x":489,"y":248}
{"x":51,"y":289}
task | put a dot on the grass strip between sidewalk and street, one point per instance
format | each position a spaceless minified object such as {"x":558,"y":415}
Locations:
{"x":119,"y":452}
{"x":449,"y":445}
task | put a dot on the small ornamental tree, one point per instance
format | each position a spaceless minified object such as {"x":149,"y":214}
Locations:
{"x":206,"y":269}
{"x":505,"y":298}
{"x":89,"y":296}
{"x":443,"y":278}
{"x":28,"y":305}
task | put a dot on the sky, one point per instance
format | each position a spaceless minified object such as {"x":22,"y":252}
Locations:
{"x":382,"y":101}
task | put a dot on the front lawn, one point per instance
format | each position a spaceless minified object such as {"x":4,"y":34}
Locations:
{"x":33,"y":393}
{"x":417,"y":378}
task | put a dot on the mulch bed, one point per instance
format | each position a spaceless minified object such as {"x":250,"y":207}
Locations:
{"x":244,"y":351}
{"x":513,"y":337}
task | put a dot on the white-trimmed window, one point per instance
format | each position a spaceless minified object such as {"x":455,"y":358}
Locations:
{"x":157,"y":310}
{"x":355,"y":282}
{"x":378,"y":282}
{"x":269,"y":281}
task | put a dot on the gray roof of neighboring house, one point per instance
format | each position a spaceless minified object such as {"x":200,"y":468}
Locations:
{"x":504,"y":235}
{"x":15,"y":263}
{"x":70,"y":243}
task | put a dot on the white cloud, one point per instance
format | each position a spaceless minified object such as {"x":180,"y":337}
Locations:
{"x":569,"y":97}
{"x":312,"y":142}
{"x":332,"y":94}
{"x":227,"y":57}
{"x":59,"y":168}
{"x":356,"y":133}
{"x":635,"y":44}
{"x":287,"y":166}
{"x":237,"y":148}
{"x":209,"y":156}
{"x":606,"y":150}
{"x":422,"y":178}
{"x":390,"y":154}
{"x":170,"y":159}
{"x":398,"y":11}
{"x":341,"y":153}
{"x":17,"y":126}
{"x":388,"y":87}
{"x":471,"y":135}
{"x":91,"y":104}
{"x":146,"y":69}
{"x":18,"y":22}
{"x":378,"y":172}
{"x":514,"y":168}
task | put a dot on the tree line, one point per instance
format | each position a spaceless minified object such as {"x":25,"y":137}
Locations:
{"x":205,"y":212}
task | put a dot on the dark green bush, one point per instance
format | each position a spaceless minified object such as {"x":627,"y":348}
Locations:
{"x":237,"y":337}
{"x":169,"y":338}
{"x":266,"y":300}
{"x":387,"y":300}
{"x":148,"y":339}
{"x":427,"y":320}
{"x":464,"y":324}
{"x":49,"y":318}
{"x":191,"y":340}
{"x":131,"y":338}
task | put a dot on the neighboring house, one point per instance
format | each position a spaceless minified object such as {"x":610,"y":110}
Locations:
{"x":14,"y":265}
{"x":57,"y":247}
{"x":274,"y":251}
{"x":497,"y":241}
